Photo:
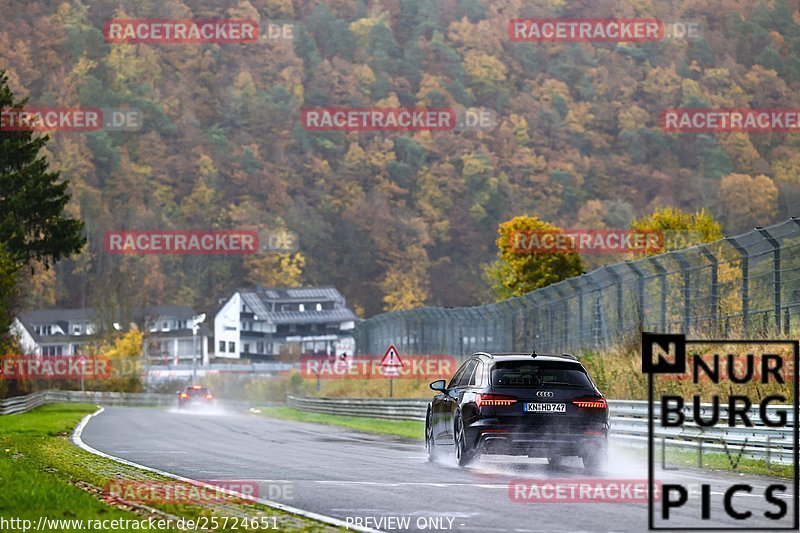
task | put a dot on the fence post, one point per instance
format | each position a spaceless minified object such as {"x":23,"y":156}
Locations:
{"x":519,"y":336}
{"x":687,"y":299}
{"x":662,"y":272}
{"x":597,"y":313}
{"x":776,"y":276}
{"x":714,"y":296}
{"x":547,"y":342}
{"x":452,"y":345}
{"x":640,"y":290}
{"x":564,"y":312}
{"x":441,"y":328}
{"x":745,"y":282}
{"x":618,"y":283}
{"x":506,"y":308}
{"x":577,"y":286}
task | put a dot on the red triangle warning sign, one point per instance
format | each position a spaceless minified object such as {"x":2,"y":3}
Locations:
{"x":392,"y":358}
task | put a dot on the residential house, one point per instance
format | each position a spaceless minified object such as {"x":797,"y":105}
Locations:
{"x":168,"y":332}
{"x":262,"y":323}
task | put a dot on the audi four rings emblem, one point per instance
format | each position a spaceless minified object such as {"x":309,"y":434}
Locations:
{"x":545,"y":394}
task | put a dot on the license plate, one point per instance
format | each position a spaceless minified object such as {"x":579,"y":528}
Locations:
{"x":546,"y":407}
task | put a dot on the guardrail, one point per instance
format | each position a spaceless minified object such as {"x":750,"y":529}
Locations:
{"x":628,"y":425}
{"x":400,"y":409}
{"x":21,"y":404}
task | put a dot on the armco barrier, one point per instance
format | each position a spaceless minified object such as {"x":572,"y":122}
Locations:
{"x":21,"y":404}
{"x":628,"y":425}
{"x":399,"y":409}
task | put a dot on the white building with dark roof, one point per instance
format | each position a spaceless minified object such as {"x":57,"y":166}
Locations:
{"x":169,"y":338}
{"x":264,"y":323}
{"x":55,"y":331}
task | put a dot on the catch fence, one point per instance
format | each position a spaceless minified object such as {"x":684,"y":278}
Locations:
{"x":746,"y":286}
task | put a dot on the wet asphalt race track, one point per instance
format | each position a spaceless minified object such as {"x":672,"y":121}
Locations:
{"x":341,"y":473}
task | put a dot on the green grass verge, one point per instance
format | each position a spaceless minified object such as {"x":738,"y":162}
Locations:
{"x":41,"y":474}
{"x":32,"y":484}
{"x":719,"y":461}
{"x":411,"y":429}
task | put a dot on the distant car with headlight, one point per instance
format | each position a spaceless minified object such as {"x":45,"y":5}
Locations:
{"x":195,"y":396}
{"x":519,"y":404}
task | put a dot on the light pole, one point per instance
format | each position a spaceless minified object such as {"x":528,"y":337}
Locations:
{"x":83,"y":371}
{"x":196,"y":321}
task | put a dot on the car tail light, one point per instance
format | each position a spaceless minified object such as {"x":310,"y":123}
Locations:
{"x":196,"y":387}
{"x":184,"y":395}
{"x":591,"y":403}
{"x":209,"y":397}
{"x":497,"y":400}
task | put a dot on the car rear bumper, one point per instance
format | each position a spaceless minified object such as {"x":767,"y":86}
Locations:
{"x":195,"y":403}
{"x":493,"y":438}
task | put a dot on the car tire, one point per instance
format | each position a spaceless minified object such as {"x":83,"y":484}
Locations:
{"x":464,"y":455}
{"x":430,"y":439}
{"x":595,"y":461}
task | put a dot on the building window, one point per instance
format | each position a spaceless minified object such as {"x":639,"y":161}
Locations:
{"x":222,"y":346}
{"x":259,"y":347}
{"x":319,"y":307}
{"x":53,"y":350}
{"x":301,"y":307}
{"x":232,"y":347}
{"x":76,"y":329}
{"x":246,"y":347}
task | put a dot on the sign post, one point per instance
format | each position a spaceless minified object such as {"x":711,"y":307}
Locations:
{"x":391,"y":365}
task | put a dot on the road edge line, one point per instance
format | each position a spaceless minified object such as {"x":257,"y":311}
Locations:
{"x":78,"y":441}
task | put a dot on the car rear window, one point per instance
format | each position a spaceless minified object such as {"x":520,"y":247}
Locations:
{"x":197,"y":392}
{"x":538,"y":374}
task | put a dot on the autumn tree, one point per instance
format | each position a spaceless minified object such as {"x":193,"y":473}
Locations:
{"x":679,"y":229}
{"x":747,"y":201}
{"x":515,"y":273}
{"x":125,"y":355}
{"x":33,"y":223}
